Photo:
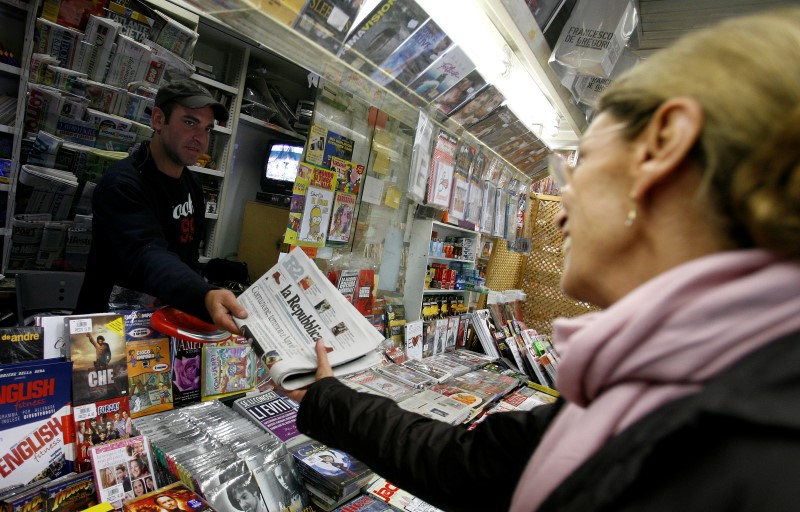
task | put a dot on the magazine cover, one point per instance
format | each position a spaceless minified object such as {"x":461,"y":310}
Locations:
{"x":171,"y":498}
{"x":71,"y":493}
{"x":19,"y":344}
{"x":343,"y":208}
{"x":96,"y":346}
{"x":399,"y":499}
{"x":413,"y":338}
{"x":337,"y":146}
{"x":186,"y":356}
{"x":149,"y":376}
{"x":382,"y":31}
{"x":227,"y":370}
{"x":121,"y":469}
{"x":479,"y":106}
{"x":327,"y":22}
{"x":97,"y":423}
{"x":35,"y":417}
{"x":272,"y":411}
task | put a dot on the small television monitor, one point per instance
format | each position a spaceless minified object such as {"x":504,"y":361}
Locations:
{"x":280,"y":168}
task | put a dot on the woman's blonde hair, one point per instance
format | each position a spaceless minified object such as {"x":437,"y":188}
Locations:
{"x":745,"y":73}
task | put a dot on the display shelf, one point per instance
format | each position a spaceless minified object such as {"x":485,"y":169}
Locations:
{"x":205,"y":170}
{"x":4,"y":187}
{"x":4,"y":128}
{"x":16,"y":3}
{"x":419,"y":257}
{"x":8,"y":69}
{"x":212,"y":216}
{"x":222,"y":129}
{"x":252,"y":121}
{"x":213,"y":83}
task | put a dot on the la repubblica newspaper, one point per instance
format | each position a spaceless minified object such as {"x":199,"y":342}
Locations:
{"x":291,"y":306}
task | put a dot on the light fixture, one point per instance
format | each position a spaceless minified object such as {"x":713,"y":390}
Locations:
{"x":466,"y":23}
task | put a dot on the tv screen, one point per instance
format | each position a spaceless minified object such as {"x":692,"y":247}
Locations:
{"x":280,"y":169}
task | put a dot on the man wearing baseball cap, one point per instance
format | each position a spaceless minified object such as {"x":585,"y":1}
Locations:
{"x":148,"y":217}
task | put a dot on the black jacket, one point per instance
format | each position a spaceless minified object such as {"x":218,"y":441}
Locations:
{"x":146,"y":234}
{"x":734,"y":446}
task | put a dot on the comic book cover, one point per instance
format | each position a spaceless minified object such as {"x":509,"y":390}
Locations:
{"x":442,"y":74}
{"x":317,"y":208}
{"x":35,"y":421}
{"x":149,"y":376}
{"x":97,"y":423}
{"x":327,"y":22}
{"x":337,"y":146}
{"x":185,"y":371}
{"x":121,"y":469}
{"x":298,"y":202}
{"x":19,"y":344}
{"x":343,"y":209}
{"x":71,"y":493}
{"x":96,"y":346}
{"x":227,"y":370}
{"x":382,"y":31}
{"x":460,"y":93}
{"x":415,"y":54}
{"x":440,"y":176}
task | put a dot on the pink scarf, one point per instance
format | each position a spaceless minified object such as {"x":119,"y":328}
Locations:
{"x":660,"y":342}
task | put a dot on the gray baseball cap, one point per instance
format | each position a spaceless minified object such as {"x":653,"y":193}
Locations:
{"x":190,"y":94}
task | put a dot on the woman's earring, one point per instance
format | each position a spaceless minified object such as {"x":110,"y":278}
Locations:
{"x":631,"y":218}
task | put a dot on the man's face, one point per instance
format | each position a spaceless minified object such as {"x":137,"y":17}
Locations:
{"x":167,"y":502}
{"x":185,"y":137}
{"x":247,"y":500}
{"x":121,"y":474}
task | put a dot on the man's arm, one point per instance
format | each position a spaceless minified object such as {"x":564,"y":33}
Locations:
{"x":92,"y":340}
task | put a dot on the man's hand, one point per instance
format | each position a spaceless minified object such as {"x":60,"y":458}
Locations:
{"x":323,"y":370}
{"x":221,"y":304}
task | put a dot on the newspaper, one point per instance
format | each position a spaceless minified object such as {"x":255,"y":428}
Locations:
{"x":291,"y":306}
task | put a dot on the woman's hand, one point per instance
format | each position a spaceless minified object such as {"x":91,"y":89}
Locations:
{"x":323,"y":370}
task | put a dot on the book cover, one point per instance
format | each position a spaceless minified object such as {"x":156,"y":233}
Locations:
{"x":71,"y":493}
{"x":343,"y":209}
{"x":149,"y":376}
{"x":440,"y":176}
{"x":97,"y":423}
{"x":96,"y":346}
{"x":364,"y":298}
{"x":174,"y":497}
{"x":35,"y":421}
{"x":19,"y":344}
{"x":337,"y":471}
{"x":121,"y":468}
{"x":185,"y":358}
{"x":227,"y":370}
{"x":382,"y":31}
{"x":272,"y":411}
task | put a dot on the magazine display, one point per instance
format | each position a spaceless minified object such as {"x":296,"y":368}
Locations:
{"x":293,"y":305}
